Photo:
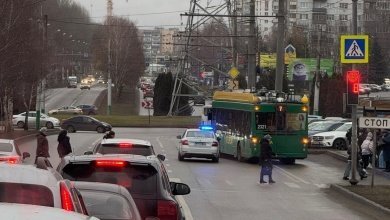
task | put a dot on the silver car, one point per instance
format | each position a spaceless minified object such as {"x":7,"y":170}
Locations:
{"x":46,"y":121}
{"x":198,"y":143}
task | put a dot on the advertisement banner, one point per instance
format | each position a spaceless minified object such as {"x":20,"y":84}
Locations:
{"x":268,"y":60}
{"x":303,"y":69}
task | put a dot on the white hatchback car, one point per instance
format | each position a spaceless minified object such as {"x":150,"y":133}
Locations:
{"x":46,"y":121}
{"x":336,"y":139}
{"x":67,"y":110}
{"x":27,"y":184}
{"x":35,"y":212}
{"x":10,"y":153}
{"x":201,"y":143}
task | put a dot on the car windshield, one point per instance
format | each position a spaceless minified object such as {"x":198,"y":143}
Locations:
{"x":6,"y":147}
{"x":200,"y":134}
{"x":26,"y":194}
{"x":136,"y":149}
{"x":323,"y":126}
{"x":136,"y":179}
{"x":344,"y":127}
{"x":106,"y":205}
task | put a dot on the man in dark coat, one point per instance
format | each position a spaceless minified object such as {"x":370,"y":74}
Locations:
{"x":64,"y":147}
{"x":265,"y":159}
{"x":386,"y":149}
{"x":42,"y":144}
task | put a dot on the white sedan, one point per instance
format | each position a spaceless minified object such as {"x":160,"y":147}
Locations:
{"x":46,"y":121}
{"x":10,"y":153}
{"x":200,"y":143}
{"x":336,"y":139}
{"x":67,"y":110}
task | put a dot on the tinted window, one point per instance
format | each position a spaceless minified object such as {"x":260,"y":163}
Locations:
{"x":26,"y":194}
{"x":131,"y":149}
{"x":137,"y":179}
{"x":77,"y":119}
{"x":5,"y":147}
{"x":201,"y":134}
{"x":106,"y":205}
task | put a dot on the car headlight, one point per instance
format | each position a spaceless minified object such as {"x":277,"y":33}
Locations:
{"x":329,"y":137}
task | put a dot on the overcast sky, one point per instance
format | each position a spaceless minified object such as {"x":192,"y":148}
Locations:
{"x":133,"y":8}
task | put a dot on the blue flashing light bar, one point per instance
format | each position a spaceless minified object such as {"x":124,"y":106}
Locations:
{"x":206,"y":128}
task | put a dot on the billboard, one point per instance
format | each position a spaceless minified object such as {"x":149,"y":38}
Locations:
{"x":304,"y":69}
{"x":268,"y":60}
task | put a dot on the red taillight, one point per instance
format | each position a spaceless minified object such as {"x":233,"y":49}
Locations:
{"x":11,"y":160}
{"x":66,"y":199}
{"x":184,"y":142}
{"x":166,"y":210}
{"x":110,"y":163}
{"x":215,"y":144}
{"x":125,"y":145}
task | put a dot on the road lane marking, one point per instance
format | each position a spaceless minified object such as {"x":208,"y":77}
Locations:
{"x":229,"y":183}
{"x":322,"y":185}
{"x":159,"y":142}
{"x":292,"y":175}
{"x":204,"y":182}
{"x":186,"y":210}
{"x":292,"y":185}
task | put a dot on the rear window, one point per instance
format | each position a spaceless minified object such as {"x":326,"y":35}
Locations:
{"x":6,"y":147}
{"x":135,"y":178}
{"x":26,"y":194}
{"x":106,"y":205}
{"x":125,"y":149}
{"x":201,"y":134}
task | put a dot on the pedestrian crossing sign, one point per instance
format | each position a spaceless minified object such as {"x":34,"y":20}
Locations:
{"x":354,"y":48}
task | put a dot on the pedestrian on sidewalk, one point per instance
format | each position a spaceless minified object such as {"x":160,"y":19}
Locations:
{"x":42,"y":145}
{"x":64,"y":148}
{"x":347,"y":171}
{"x":386,"y":150}
{"x":367,"y":150}
{"x":265,"y":159}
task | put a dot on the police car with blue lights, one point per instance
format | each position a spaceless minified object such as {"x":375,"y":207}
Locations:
{"x":199,"y":143}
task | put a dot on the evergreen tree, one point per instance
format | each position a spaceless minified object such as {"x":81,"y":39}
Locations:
{"x":377,"y":64}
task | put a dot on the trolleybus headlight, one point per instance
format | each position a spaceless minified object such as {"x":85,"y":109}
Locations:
{"x":254,"y":140}
{"x":257,"y":108}
{"x":305,"y":108}
{"x":305,"y":140}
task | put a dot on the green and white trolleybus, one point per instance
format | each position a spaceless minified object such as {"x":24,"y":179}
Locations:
{"x":242,"y":119}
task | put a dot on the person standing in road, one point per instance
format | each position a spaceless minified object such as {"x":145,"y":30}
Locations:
{"x":386,"y":150}
{"x":64,"y":147}
{"x":109,"y":135}
{"x":367,"y":150}
{"x":42,"y":144}
{"x":265,"y":159}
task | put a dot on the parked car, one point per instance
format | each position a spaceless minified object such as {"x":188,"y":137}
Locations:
{"x":85,"y":123}
{"x":386,"y":87}
{"x":45,"y":120}
{"x":313,"y":117}
{"x":336,"y":139}
{"x":107,"y":201}
{"x":10,"y":153}
{"x":125,"y":146}
{"x":34,"y":212}
{"x":41,"y":185}
{"x":323,"y":126}
{"x":201,"y":143}
{"x":144,"y":177}
{"x":85,"y":86}
{"x":88,"y":109}
{"x":66,"y":110}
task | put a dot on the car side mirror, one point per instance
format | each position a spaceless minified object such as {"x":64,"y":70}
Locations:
{"x":178,"y":136}
{"x":161,"y":157}
{"x":180,"y":188}
{"x":26,"y":155}
{"x":88,"y":153}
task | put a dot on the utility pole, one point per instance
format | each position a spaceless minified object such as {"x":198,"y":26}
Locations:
{"x":318,"y":74}
{"x":280,"y":47}
{"x":234,"y":58}
{"x":45,"y":66}
{"x":353,"y":179}
{"x":109,"y":81}
{"x":252,"y":48}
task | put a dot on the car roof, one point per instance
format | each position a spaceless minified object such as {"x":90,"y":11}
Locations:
{"x":29,"y":174}
{"x":35,"y":212}
{"x":126,"y":140}
{"x":7,"y":141}
{"x":197,"y":129}
{"x":132,"y":158}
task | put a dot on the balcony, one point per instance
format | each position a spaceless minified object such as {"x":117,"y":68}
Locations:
{"x":319,"y":10}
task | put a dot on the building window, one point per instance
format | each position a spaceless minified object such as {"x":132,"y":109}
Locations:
{"x":266,"y":21}
{"x":293,"y":15}
{"x":343,"y":17}
{"x":304,"y":16}
{"x":266,"y":3}
{"x":304,"y":4}
{"x":330,"y":17}
{"x":293,"y":7}
{"x":343,"y":29}
{"x":344,"y":5}
{"x":265,"y":29}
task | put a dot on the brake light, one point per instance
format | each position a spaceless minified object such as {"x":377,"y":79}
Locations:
{"x":184,"y":142}
{"x":215,"y":144}
{"x":125,"y":145}
{"x":11,"y":160}
{"x":66,"y":199}
{"x":166,"y":210}
{"x":110,"y":163}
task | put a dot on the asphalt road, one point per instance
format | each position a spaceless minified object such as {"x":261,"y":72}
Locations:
{"x":56,"y":98}
{"x":229,"y":189}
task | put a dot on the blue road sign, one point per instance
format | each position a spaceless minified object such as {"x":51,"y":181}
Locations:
{"x":354,"y":49}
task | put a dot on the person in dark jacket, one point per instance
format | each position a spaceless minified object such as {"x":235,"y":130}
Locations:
{"x":42,"y":145}
{"x":386,"y":150}
{"x":109,"y":135}
{"x":64,"y":147}
{"x":265,"y":159}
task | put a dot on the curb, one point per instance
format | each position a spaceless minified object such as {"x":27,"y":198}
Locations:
{"x":360,"y":199}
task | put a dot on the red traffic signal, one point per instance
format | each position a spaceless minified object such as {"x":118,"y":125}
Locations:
{"x":353,"y":85}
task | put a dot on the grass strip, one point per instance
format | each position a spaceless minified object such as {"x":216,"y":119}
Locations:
{"x":379,"y":194}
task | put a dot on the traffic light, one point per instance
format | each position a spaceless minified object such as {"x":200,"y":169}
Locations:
{"x":353,"y":84}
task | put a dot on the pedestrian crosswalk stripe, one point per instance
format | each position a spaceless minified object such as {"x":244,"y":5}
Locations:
{"x":354,"y":50}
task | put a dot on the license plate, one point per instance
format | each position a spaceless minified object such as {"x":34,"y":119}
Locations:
{"x":316,"y":143}
{"x":200,"y":143}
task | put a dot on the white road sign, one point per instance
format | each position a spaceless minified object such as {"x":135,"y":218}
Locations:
{"x":378,"y":123}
